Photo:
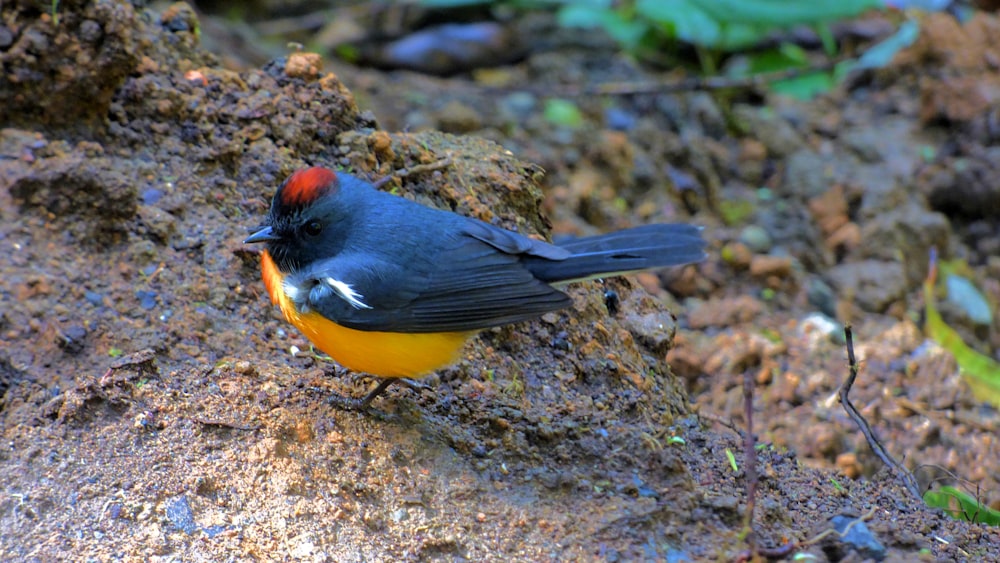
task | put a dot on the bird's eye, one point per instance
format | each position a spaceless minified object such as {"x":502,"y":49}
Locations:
{"x":313,"y":228}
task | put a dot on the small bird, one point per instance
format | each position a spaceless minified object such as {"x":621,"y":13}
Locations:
{"x":393,"y":288}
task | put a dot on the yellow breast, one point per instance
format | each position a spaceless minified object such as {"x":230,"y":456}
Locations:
{"x":385,"y":354}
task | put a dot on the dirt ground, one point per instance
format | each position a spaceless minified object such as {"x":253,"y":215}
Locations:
{"x":155,"y":407}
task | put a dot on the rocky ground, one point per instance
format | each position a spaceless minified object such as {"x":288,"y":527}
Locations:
{"x":152,"y":409}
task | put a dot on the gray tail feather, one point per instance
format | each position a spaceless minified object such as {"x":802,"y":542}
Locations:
{"x":631,"y":250}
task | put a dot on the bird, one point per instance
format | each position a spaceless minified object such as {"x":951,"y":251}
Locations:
{"x":393,"y":288}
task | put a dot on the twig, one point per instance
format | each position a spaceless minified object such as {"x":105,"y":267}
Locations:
{"x":223,"y":423}
{"x":900,"y":472}
{"x":423,"y":168}
{"x":749,"y":460}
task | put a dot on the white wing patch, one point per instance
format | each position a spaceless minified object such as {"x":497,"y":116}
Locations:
{"x":347,"y":293}
{"x":299,"y":294}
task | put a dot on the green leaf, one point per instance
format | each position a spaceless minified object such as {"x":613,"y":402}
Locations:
{"x":734,"y":24}
{"x":804,"y":87}
{"x":979,"y":371}
{"x":732,"y":460}
{"x":784,"y":13}
{"x":682,"y":19}
{"x":562,"y":112}
{"x":882,"y":53}
{"x":962,"y":506}
{"x":628,"y":32}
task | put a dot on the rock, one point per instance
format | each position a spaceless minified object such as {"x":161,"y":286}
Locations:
{"x":737,"y":255}
{"x":763,"y":266}
{"x":777,"y":135}
{"x":448,"y":48}
{"x":965,"y":297}
{"x":653,"y":330}
{"x":304,"y":65}
{"x":518,"y":106}
{"x":179,"y":513}
{"x":725,"y":312}
{"x":820,"y":295}
{"x":94,"y":196}
{"x":161,"y":225}
{"x":855,"y":536}
{"x":848,"y":464}
{"x":756,"y":238}
{"x":809,"y":173}
{"x":69,"y":80}
{"x":456,"y":117}
{"x":906,"y":230}
{"x":872,"y":284}
{"x":964,"y":186}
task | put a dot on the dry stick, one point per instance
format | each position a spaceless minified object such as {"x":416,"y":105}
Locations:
{"x":749,"y":459}
{"x":900,"y":472}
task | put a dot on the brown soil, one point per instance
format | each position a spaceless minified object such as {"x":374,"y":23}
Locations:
{"x":151,"y":408}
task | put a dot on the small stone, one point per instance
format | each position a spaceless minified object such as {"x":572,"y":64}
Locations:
{"x":820,"y":295}
{"x":737,"y":255}
{"x":856,"y":535}
{"x":147,"y":299}
{"x":518,"y":106}
{"x":653,"y":330}
{"x":872,"y":284}
{"x":618,"y":119}
{"x":304,"y":65}
{"x":457,"y":117}
{"x":725,"y":312}
{"x":756,"y":238}
{"x":160,"y":224}
{"x":72,"y":339}
{"x":6,"y":37}
{"x":179,"y":514}
{"x":763,"y":266}
{"x":848,"y":464}
{"x":303,"y":546}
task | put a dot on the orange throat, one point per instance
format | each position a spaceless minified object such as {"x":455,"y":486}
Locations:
{"x":385,"y":354}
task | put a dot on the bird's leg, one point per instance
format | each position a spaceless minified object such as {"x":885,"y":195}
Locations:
{"x":378,"y":390}
{"x":355,"y":404}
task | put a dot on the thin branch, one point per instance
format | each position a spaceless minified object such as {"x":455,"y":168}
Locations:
{"x":905,"y":477}
{"x":749,"y":460}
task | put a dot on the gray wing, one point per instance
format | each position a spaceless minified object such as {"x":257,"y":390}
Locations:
{"x":474,"y":281}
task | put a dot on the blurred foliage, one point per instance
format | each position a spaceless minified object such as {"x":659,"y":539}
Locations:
{"x":962,"y":506}
{"x":649,"y":29}
{"x":563,"y":113}
{"x":980,"y":372}
{"x":724,"y":25}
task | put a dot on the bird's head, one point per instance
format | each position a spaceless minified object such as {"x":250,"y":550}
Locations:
{"x":307,"y":220}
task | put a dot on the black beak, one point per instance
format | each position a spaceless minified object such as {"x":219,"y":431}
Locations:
{"x":265,"y":234}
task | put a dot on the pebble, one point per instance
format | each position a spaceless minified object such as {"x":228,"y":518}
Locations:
{"x":179,"y":514}
{"x":763,"y":266}
{"x":756,"y":238}
{"x":737,"y":255}
{"x":456,"y":117}
{"x":6,"y":37}
{"x":848,"y":464}
{"x":619,"y":119}
{"x":821,"y":295}
{"x":147,"y":299}
{"x":303,"y":65}
{"x":858,"y":537}
{"x":151,"y":195}
{"x":518,"y":106}
{"x":873,"y":283}
{"x":964,"y":295}
{"x":94,"y":298}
